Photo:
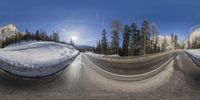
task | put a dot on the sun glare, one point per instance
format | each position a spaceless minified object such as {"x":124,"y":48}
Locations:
{"x":74,"y":38}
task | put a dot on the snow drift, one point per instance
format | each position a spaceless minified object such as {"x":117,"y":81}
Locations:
{"x":194,"y":52}
{"x":36,"y":59}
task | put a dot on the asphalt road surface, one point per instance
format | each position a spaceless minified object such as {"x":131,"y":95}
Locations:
{"x":178,"y":81}
{"x":131,"y":68}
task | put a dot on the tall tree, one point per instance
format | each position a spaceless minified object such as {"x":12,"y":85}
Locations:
{"x":56,"y":36}
{"x":172,"y":39}
{"x":145,"y":37}
{"x":116,"y":28}
{"x":126,"y":33}
{"x":154,"y":32}
{"x":164,"y":45}
{"x":98,"y":47}
{"x":104,"y":42}
{"x":37,"y":35}
{"x":137,"y":43}
{"x":133,"y":39}
{"x":194,"y":43}
{"x":175,"y":41}
{"x":27,"y":35}
{"x":198,"y":42}
{"x":109,"y":49}
{"x":188,"y":44}
{"x":71,"y":41}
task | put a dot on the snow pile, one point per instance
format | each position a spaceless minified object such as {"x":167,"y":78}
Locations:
{"x":94,"y":54}
{"x":101,"y":55}
{"x":195,"y":53}
{"x":36,"y":59}
{"x":20,"y":43}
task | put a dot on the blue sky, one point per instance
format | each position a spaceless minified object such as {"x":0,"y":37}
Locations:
{"x":85,"y":19}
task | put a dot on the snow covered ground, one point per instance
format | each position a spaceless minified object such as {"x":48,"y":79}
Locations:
{"x":195,"y":53}
{"x":36,"y":59}
{"x":102,"y":55}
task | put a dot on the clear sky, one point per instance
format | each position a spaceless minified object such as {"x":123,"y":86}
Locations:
{"x":85,"y":19}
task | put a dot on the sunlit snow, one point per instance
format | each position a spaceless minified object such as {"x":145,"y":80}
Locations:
{"x":34,"y":59}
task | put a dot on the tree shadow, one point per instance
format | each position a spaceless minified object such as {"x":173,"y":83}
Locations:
{"x":9,"y":81}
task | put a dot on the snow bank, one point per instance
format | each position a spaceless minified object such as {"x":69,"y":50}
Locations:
{"x":195,"y":53}
{"x":36,"y":59}
{"x":21,"y":43}
{"x":101,"y":55}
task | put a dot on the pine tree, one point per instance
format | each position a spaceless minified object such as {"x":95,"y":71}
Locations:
{"x":133,"y":39}
{"x":175,"y":41}
{"x":51,"y":38}
{"x":164,"y":45}
{"x":37,"y":35}
{"x":116,"y":28}
{"x":98,"y":47}
{"x":56,"y":37}
{"x":145,"y":37}
{"x":198,"y":42}
{"x":172,"y":39}
{"x":194,"y":43}
{"x":104,"y":42}
{"x":137,"y":45}
{"x":27,"y":35}
{"x":109,"y":49}
{"x":125,"y":44}
{"x":71,"y":42}
{"x":154,"y":32}
{"x":155,"y":45}
{"x":188,"y":44}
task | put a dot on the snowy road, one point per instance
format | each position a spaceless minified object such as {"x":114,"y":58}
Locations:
{"x":80,"y":81}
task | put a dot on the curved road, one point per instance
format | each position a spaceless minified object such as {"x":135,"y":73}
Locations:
{"x":178,"y":81}
{"x":131,"y":68}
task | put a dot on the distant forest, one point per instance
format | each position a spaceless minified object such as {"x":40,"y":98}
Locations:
{"x":135,"y":41}
{"x":195,"y":43}
{"x":39,"y":35}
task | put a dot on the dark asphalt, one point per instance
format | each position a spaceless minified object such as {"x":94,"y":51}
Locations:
{"x":187,"y":66}
{"x":131,"y":68}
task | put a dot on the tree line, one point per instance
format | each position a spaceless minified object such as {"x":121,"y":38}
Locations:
{"x":135,"y":41}
{"x":39,"y":35}
{"x":195,"y":44}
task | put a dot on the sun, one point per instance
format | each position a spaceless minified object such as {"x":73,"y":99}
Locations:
{"x":74,"y":38}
